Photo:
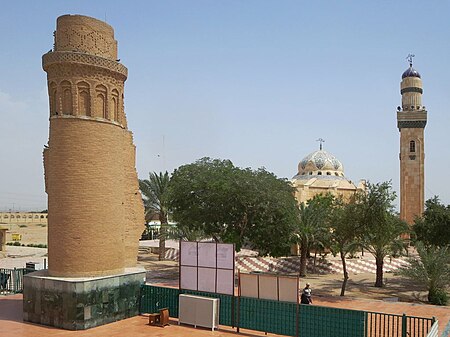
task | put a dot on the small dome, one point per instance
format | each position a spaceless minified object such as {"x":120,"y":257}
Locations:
{"x":320,"y":163}
{"x":411,"y":72}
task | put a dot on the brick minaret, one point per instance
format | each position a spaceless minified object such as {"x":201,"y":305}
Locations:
{"x":411,"y":121}
{"x":95,"y":209}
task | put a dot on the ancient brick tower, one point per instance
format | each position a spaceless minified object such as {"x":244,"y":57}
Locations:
{"x":95,"y":209}
{"x":411,"y":121}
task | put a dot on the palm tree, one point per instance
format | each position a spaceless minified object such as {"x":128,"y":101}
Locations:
{"x":312,"y":225}
{"x":431,"y":269}
{"x":155,"y":196}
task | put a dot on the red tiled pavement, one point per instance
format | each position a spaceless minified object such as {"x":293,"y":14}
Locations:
{"x":11,"y":324}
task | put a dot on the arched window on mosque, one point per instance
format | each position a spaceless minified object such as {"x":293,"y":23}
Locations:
{"x":412,"y":146}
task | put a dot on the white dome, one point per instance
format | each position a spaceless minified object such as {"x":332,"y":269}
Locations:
{"x":320,"y":163}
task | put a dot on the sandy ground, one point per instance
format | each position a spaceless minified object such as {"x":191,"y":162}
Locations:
{"x":35,"y":233}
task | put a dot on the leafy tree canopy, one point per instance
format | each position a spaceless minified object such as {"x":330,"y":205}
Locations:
{"x":381,"y":227}
{"x":431,"y":269}
{"x":433,"y":228}
{"x":234,"y":205}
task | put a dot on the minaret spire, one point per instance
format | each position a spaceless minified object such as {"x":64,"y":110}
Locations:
{"x":410,"y":59}
{"x":321,"y":141}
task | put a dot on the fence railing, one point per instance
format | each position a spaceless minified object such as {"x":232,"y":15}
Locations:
{"x":11,"y":280}
{"x":291,"y":319}
{"x":434,"y":329}
{"x":391,"y":325}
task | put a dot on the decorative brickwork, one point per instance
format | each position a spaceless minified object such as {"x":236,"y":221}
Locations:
{"x":85,"y":59}
{"x":96,"y":214}
{"x":411,"y":124}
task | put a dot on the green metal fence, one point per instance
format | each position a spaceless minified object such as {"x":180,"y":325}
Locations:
{"x":268,"y":316}
{"x":11,"y":280}
{"x":317,"y":321}
{"x":155,"y":298}
{"x":391,"y":325}
{"x":291,"y":319}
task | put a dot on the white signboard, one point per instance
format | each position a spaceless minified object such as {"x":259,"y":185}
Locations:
{"x":268,"y":287}
{"x":207,"y":254}
{"x":288,"y":289}
{"x":271,"y":287}
{"x":248,"y":285}
{"x":188,"y":278}
{"x":225,"y":281}
{"x":225,"y":256}
{"x":188,"y":253}
{"x":207,"y":279}
{"x":207,"y":266}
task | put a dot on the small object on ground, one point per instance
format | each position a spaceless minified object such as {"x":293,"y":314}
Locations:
{"x":160,"y":319}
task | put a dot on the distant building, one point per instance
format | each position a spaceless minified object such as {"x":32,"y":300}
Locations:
{"x":23,"y":217}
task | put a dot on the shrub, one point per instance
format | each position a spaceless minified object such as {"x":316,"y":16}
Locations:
{"x":40,"y":245}
{"x":438,"y":297}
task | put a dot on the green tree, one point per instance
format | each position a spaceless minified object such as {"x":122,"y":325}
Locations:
{"x":312,"y":225}
{"x":381,"y":227}
{"x":234,"y":205}
{"x":432,"y":270}
{"x":433,"y":228}
{"x":344,"y":231}
{"x":155,"y":196}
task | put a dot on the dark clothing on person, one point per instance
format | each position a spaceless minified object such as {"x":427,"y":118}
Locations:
{"x":306,"y":296}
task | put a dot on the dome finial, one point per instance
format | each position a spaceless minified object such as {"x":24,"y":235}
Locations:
{"x":320,"y":140}
{"x":410,"y":59}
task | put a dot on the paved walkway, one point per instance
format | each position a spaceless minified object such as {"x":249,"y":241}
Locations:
{"x":11,"y":323}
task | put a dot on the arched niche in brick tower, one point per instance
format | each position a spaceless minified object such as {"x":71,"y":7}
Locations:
{"x":53,"y":97}
{"x":115,"y":105}
{"x":84,"y":104}
{"x":66,"y":95}
{"x":100,"y":101}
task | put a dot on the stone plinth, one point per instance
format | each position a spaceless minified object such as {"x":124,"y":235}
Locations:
{"x":81,"y":303}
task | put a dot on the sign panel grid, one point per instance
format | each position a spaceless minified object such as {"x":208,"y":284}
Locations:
{"x":207,"y":266}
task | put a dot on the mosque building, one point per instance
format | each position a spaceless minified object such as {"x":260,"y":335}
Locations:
{"x":320,"y":173}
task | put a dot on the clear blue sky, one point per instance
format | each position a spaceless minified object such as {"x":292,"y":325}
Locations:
{"x":255,"y":81}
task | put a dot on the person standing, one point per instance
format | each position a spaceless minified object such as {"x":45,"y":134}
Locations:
{"x":306,"y":295}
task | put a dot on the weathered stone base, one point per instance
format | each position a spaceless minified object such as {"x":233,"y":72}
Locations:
{"x":81,"y":303}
